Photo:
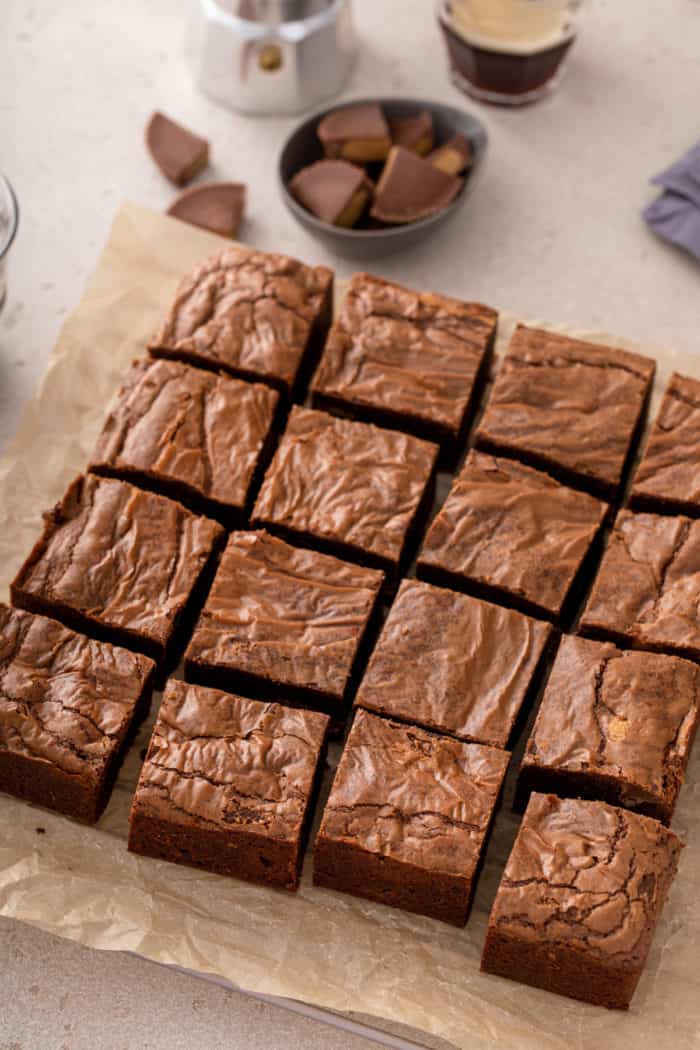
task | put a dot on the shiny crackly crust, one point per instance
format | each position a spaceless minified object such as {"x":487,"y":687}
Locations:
{"x":225,"y":763}
{"x":251,"y":312}
{"x":411,"y":353}
{"x":180,"y":424}
{"x":570,"y":404}
{"x":648,"y":586}
{"x":415,"y":797}
{"x":455,"y":663}
{"x":670,"y":468}
{"x":626,"y":715}
{"x":119,"y":556}
{"x":587,"y":878}
{"x":509,"y":526}
{"x":286,"y":614}
{"x":346,"y":482}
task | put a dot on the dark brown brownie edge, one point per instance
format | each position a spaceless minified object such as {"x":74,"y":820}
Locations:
{"x":631,"y":641}
{"x":662,"y":505}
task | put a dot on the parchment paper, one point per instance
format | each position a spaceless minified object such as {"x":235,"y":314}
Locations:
{"x":323,"y":948}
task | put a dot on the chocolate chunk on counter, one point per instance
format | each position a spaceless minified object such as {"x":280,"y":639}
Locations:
{"x":357,"y":133}
{"x":453,"y":157}
{"x":667,"y":480}
{"x":408,"y":817}
{"x":415,"y":132}
{"x":615,"y":726}
{"x":217,"y":207}
{"x":228,"y":785}
{"x":179,"y":153}
{"x":580,"y":900}
{"x":333,"y":190}
{"x":513,"y":534}
{"x":202,"y":438}
{"x":572,"y":408}
{"x":282,"y":622}
{"x":411,"y":360}
{"x":411,"y":188}
{"x":255,"y":315}
{"x":67,"y":707}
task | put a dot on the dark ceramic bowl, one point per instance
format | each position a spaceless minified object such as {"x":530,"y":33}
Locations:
{"x":303,"y":147}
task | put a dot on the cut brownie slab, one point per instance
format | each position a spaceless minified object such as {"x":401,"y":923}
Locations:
{"x":283,"y":623}
{"x":228,"y":785}
{"x":351,"y":489}
{"x":572,"y":408}
{"x":616,"y":726}
{"x":668,"y":477}
{"x":67,"y":706}
{"x":455,"y":664}
{"x":513,"y":534}
{"x":580,"y":900}
{"x":647,"y":592}
{"x":253,"y":314}
{"x":408,"y":817}
{"x":123,"y":565}
{"x":410,"y":360}
{"x":201,"y":438}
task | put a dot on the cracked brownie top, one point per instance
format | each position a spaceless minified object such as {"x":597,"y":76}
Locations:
{"x":454,"y":663}
{"x":246,"y":311}
{"x":182,"y":424}
{"x":221,"y":762}
{"x":65,"y":699}
{"x":404,"y":351}
{"x":623,"y":714}
{"x":648,"y":586}
{"x":568,"y":404}
{"x":586,"y":876}
{"x":290,"y":615}
{"x":424,"y":799}
{"x":670,"y":467}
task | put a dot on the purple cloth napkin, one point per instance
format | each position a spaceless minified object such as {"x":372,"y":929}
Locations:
{"x":675,"y":214}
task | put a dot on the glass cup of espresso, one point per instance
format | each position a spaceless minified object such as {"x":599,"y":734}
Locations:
{"x":508,"y":51}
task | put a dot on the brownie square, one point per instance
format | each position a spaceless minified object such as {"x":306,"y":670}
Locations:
{"x":228,"y":785}
{"x":668,"y":478}
{"x":513,"y":534}
{"x":283,"y":623}
{"x":253,"y":314}
{"x":455,"y":664}
{"x":201,"y":438}
{"x":613,"y":725}
{"x":408,"y":818}
{"x":351,"y":489}
{"x":580,"y":900}
{"x":572,"y":408}
{"x":647,"y":591}
{"x":123,"y":565}
{"x":68,"y":705}
{"x":409,"y":360}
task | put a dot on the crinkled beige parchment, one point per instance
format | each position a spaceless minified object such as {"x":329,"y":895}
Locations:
{"x":327,"y":949}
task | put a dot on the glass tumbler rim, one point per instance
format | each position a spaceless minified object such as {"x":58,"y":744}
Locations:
{"x":9,"y":198}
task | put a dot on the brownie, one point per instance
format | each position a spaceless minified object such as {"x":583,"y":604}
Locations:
{"x":580,"y":899}
{"x":455,"y":664}
{"x":408,"y":818}
{"x":409,"y":360}
{"x":575,"y":409}
{"x":515,"y":535}
{"x":228,"y":785}
{"x":283,"y":623}
{"x":201,"y":438}
{"x":352,"y":489}
{"x":253,"y":314}
{"x":68,"y":705}
{"x":613,"y":725}
{"x":668,"y":477}
{"x":647,"y":592}
{"x":123,"y":565}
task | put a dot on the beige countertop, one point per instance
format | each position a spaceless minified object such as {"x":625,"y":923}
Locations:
{"x":552,"y":231}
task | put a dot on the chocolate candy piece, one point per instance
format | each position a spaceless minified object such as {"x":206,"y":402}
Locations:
{"x":217,"y":207}
{"x":358,"y":133}
{"x":411,"y":188}
{"x":414,"y":133}
{"x":333,"y":190}
{"x":179,"y":153}
{"x":453,"y":157}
